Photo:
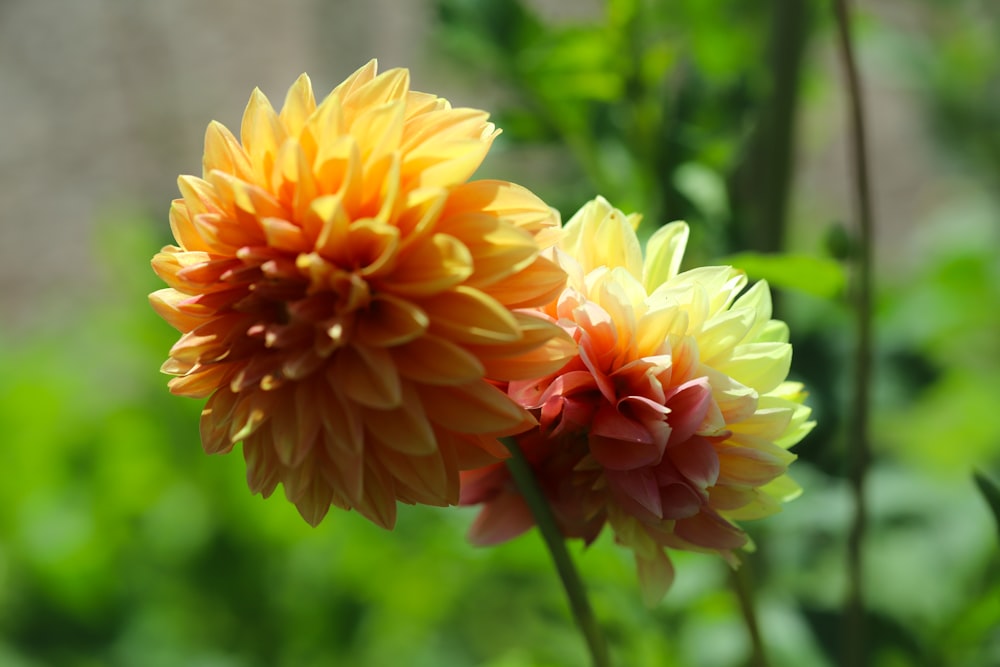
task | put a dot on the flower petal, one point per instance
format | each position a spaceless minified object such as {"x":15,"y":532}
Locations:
{"x":477,"y":407}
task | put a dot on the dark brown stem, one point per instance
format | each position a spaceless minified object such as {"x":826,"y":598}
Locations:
{"x":855,"y":653}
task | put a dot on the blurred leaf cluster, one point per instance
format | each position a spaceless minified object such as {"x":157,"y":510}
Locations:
{"x":122,"y":544}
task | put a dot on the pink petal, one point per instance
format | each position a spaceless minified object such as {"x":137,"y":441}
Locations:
{"x":679,"y":501}
{"x":620,"y":443}
{"x":636,"y":490}
{"x":482,"y":484}
{"x":710,"y":531}
{"x":503,"y":518}
{"x":688,"y":405}
{"x":697,"y":460}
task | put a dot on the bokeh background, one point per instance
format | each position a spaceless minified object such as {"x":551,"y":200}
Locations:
{"x":122,"y":544}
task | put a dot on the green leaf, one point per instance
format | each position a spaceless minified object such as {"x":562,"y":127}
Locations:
{"x":705,"y":188}
{"x":819,"y":276}
{"x":991,"y":492}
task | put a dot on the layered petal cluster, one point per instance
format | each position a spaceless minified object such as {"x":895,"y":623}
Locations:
{"x":348,"y":298}
{"x":674,"y":419}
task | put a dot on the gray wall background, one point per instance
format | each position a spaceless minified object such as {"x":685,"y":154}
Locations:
{"x":104,"y":102}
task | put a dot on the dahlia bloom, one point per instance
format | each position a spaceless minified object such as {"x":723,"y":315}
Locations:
{"x":348,"y":299}
{"x":672,"y":421}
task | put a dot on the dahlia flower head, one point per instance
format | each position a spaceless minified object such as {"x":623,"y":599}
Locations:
{"x":348,"y":299}
{"x":674,"y":419}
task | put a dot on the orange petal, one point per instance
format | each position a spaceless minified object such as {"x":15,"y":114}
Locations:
{"x":477,"y":407}
{"x":261,"y":134}
{"x":223,"y":152}
{"x":389,"y":321}
{"x":314,"y":502}
{"x":430,"y":267}
{"x":434,"y":360}
{"x":512,"y":203}
{"x":299,"y":105}
{"x":544,"y":348}
{"x":499,"y":249}
{"x":202,"y":382}
{"x":537,"y":285}
{"x":405,"y":429}
{"x":263,"y":469}
{"x":378,"y":502}
{"x":467,"y":315}
{"x":367,"y":375}
{"x":215,"y":417}
{"x":184,"y":231}
{"x":425,"y":477}
{"x":166,"y":301}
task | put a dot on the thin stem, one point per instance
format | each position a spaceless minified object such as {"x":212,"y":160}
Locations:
{"x":859,"y":445}
{"x":742,"y":580}
{"x":527,"y":484}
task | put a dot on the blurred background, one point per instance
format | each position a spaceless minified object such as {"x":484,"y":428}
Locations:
{"x":122,"y":544}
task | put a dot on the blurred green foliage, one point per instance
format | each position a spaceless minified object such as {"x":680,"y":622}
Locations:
{"x":122,"y":544}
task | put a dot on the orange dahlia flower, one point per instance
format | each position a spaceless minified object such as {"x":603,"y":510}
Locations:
{"x":673,"y":420}
{"x":346,"y":295}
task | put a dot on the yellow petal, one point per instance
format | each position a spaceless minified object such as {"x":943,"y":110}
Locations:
{"x":284,"y":235}
{"x":762,"y":366}
{"x":724,"y":332}
{"x":328,"y":223}
{"x":292,"y":179}
{"x":664,"y":253}
{"x":600,"y":235}
{"x":199,"y":196}
{"x":359,"y":78}
{"x":373,"y":247}
{"x":419,"y":213}
{"x":378,"y":130}
{"x":368,"y":92}
{"x":184,"y":232}
{"x":299,"y":105}
{"x":261,"y":134}
{"x":425,"y":130}
{"x":454,"y":162}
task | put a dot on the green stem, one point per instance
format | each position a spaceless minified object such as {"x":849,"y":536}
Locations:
{"x":743,"y":585}
{"x":860,"y":446}
{"x":528,"y":485}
